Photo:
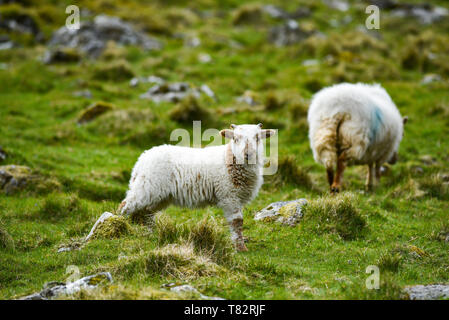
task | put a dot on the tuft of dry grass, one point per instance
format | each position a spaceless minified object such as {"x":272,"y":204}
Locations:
{"x":118,"y":70}
{"x":289,"y":172}
{"x":437,"y":186}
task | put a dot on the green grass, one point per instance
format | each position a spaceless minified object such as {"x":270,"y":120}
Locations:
{"x":400,"y":227}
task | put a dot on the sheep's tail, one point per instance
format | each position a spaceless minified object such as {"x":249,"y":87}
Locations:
{"x":326,"y":140}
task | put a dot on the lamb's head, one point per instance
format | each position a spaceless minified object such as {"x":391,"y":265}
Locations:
{"x":246,"y":142}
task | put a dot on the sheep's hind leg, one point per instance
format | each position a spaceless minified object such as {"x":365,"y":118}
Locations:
{"x":341,"y":166}
{"x":330,"y":176}
{"x":370,"y":177}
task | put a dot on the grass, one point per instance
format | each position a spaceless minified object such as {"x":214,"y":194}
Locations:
{"x":80,"y":171}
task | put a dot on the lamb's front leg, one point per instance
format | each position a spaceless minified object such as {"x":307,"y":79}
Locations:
{"x":235,"y":221}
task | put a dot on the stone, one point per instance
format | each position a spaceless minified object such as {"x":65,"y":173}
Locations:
{"x":288,"y":33}
{"x":340,"y":5}
{"x":429,"y":78}
{"x":425,"y":13}
{"x":285,"y":212}
{"x":188,"y":288}
{"x":92,"y":36}
{"x":54,"y":289}
{"x":248,"y":97}
{"x":134,"y":82}
{"x":13,"y":178}
{"x":2,"y":154}
{"x":428,"y":292}
{"x":173,"y":92}
{"x":83,"y":94}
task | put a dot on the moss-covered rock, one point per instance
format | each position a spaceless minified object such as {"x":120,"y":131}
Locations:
{"x":189,"y":110}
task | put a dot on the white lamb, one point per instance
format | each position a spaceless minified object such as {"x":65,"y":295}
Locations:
{"x":228,"y":176}
{"x":354,"y":124}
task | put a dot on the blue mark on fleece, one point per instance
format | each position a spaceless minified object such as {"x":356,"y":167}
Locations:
{"x":376,"y":122}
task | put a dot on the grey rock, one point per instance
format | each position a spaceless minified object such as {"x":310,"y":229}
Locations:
{"x":2,"y":154}
{"x":188,"y":288}
{"x":173,"y":92}
{"x":429,"y":78}
{"x":288,"y":33}
{"x":13,"y":178}
{"x":134,"y":82}
{"x":425,"y":13}
{"x":428,"y":292}
{"x":273,"y":212}
{"x":5,"y":42}
{"x":53,"y":290}
{"x":21,"y":23}
{"x":340,"y":5}
{"x":92,"y":36}
{"x":83,"y":93}
{"x":276,"y":12}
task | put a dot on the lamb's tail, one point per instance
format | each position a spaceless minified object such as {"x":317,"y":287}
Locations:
{"x":326,"y":144}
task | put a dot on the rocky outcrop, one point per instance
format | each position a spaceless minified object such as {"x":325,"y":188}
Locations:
{"x":428,"y":292}
{"x":92,"y":36}
{"x":54,"y":290}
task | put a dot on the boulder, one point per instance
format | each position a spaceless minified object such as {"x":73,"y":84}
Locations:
{"x":54,"y":289}
{"x":188,"y":288}
{"x":285,"y":212}
{"x":92,"y":36}
{"x":173,"y":92}
{"x":428,"y":292}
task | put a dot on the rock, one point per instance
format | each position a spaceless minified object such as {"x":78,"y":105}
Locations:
{"x":279,"y":13}
{"x":17,"y":20}
{"x":188,"y":288}
{"x":204,"y":58}
{"x":208,"y":91}
{"x":92,"y":36}
{"x":248,"y":97}
{"x":61,"y":55}
{"x":2,"y":154}
{"x":151,"y":79}
{"x":286,"y":212}
{"x":384,"y":4}
{"x":83,"y":93}
{"x":429,"y":78}
{"x":173,"y":92}
{"x":54,"y":290}
{"x":425,"y":13}
{"x":5,"y":42}
{"x":428,"y":292}
{"x":109,"y":226}
{"x":287,"y":34}
{"x":14,"y":177}
{"x":428,"y":160}
{"x":94,"y":111}
{"x":340,"y":5}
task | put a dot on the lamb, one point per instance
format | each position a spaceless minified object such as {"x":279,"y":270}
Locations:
{"x":228,"y":176}
{"x":354,"y":124}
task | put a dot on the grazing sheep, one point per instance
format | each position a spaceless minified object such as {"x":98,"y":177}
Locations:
{"x":228,"y":176}
{"x":354,"y":124}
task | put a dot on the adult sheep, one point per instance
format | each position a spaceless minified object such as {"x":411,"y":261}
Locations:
{"x":228,"y":176}
{"x":354,"y":124}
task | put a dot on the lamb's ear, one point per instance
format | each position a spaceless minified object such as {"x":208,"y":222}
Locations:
{"x":268,"y":133}
{"x":227,"y":133}
{"x":405,"y":120}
